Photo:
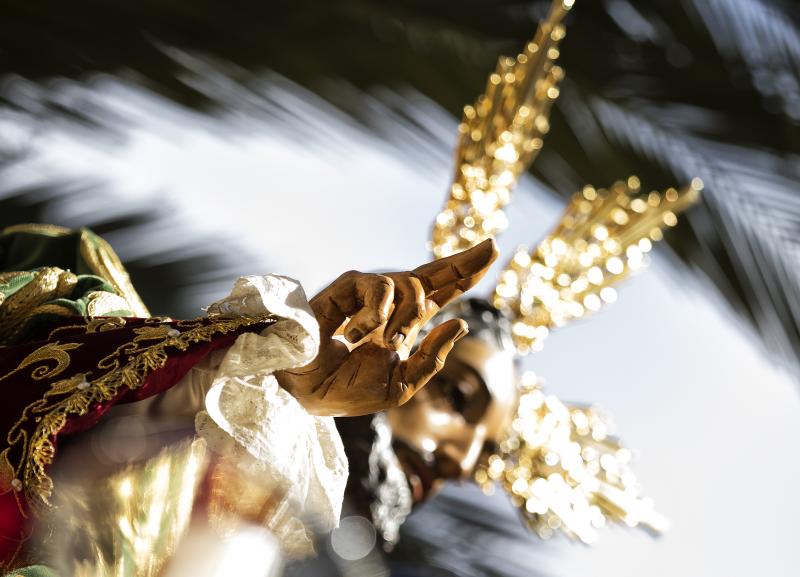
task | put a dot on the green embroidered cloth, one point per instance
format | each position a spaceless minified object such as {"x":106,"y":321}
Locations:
{"x":48,"y":273}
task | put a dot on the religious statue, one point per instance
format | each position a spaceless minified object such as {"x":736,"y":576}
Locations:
{"x":479,"y":418}
{"x":257,"y":380}
{"x":254,"y":385}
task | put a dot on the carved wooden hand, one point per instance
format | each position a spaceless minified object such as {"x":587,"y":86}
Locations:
{"x":380,"y":316}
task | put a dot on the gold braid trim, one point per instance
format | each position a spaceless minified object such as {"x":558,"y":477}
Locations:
{"x":127,"y":366}
{"x":105,"y":263}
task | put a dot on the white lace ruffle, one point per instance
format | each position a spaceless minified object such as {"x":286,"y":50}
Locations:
{"x":275,"y":439}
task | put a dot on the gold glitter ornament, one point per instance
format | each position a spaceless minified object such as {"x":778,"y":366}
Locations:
{"x":564,"y":471}
{"x":557,"y":462}
{"x":603,"y":235}
{"x":499,"y":137}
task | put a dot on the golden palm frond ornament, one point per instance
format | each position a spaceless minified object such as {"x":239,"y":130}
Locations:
{"x":604,"y":235}
{"x":558,"y":463}
{"x":499,"y":137}
{"x":565,"y":471}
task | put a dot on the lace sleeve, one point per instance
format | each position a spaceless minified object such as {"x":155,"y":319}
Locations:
{"x":248,"y":415}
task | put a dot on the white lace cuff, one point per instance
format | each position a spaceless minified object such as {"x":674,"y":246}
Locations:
{"x":280,"y":442}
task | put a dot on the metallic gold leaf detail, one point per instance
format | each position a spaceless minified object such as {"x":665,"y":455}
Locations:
{"x":48,"y":284}
{"x":67,"y":385}
{"x":101,"y":303}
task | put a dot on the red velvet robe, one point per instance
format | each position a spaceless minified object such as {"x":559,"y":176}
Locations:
{"x":63,"y":382}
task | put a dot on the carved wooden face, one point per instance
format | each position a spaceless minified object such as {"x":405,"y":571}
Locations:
{"x":445,"y":430}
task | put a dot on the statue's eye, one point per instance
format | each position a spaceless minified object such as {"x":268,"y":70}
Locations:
{"x":455,"y":396}
{"x":459,"y":390}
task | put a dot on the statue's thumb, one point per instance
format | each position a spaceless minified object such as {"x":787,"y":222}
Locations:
{"x":430,"y":356}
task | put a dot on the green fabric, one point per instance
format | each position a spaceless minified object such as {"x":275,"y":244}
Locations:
{"x":26,"y":253}
{"x":35,"y":323}
{"x":86,"y":283}
{"x":33,"y":571}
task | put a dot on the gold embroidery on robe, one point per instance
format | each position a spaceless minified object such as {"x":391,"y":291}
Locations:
{"x":97,"y":325}
{"x":128,"y":366}
{"x":49,"y":352}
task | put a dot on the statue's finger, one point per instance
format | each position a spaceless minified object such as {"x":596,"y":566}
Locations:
{"x":375,"y":295}
{"x":455,"y":290}
{"x":413,"y":374}
{"x":409,"y":310}
{"x":458,"y":267}
{"x":349,"y":295}
{"x":331,"y":304}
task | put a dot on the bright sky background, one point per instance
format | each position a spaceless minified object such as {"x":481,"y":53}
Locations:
{"x":716,"y":424}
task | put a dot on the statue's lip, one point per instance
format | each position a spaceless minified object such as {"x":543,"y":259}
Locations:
{"x":420,"y":474}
